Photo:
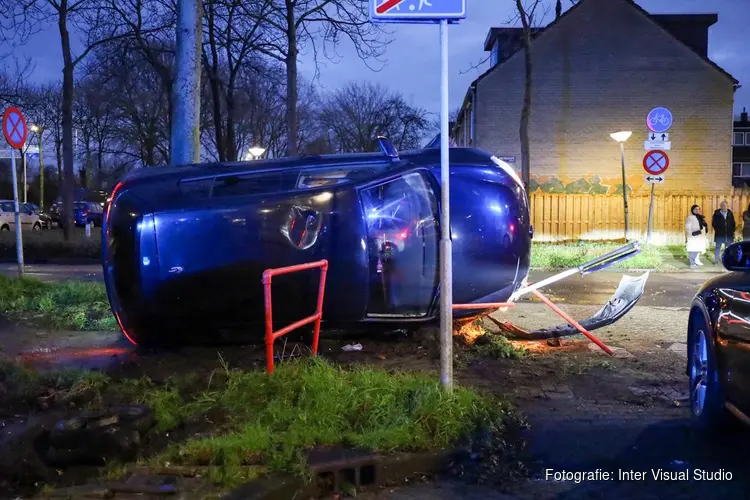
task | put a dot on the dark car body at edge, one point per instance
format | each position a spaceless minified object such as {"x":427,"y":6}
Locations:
{"x":185,"y":247}
{"x":718,"y":347}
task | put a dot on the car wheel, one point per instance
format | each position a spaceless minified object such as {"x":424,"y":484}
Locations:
{"x":706,"y":395}
{"x":37,"y":227}
{"x":5,"y":228}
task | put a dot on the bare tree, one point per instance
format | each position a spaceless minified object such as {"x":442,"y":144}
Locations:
{"x":293,"y":25}
{"x":231,"y":36}
{"x":21,"y":18}
{"x":356,"y":115}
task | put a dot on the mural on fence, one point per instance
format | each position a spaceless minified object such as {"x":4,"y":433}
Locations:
{"x":592,"y":184}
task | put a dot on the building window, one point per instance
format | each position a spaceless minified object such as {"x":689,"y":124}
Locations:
{"x":494,"y":54}
{"x":741,"y":170}
{"x":747,"y":138}
{"x":739,"y":139}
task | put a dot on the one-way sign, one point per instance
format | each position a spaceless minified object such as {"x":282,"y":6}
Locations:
{"x":654,"y":136}
{"x":654,"y":179}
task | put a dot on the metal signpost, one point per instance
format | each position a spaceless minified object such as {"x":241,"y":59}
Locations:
{"x":431,"y":12}
{"x":656,"y":162}
{"x":15,"y":130}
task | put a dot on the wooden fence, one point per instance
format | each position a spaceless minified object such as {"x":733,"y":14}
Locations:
{"x":572,"y":217}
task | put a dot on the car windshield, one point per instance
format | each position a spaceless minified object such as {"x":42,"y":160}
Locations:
{"x":79,"y":206}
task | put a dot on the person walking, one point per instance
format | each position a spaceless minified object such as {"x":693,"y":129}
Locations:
{"x":746,"y":224}
{"x":724,"y":227}
{"x":696,"y":230}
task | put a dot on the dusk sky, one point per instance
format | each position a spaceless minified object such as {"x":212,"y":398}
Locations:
{"x":412,"y":60}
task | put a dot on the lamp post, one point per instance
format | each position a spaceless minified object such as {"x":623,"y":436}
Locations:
{"x":40,"y":131}
{"x":254,"y":153}
{"x":621,"y":137}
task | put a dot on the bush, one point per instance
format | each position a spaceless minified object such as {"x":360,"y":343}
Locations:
{"x":41,"y":246}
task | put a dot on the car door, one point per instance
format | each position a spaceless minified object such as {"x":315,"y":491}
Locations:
{"x":8,"y":214}
{"x":402,"y":243}
{"x":734,"y":333}
{"x":26,"y":214}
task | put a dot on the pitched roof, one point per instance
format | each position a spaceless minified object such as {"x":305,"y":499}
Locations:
{"x":650,"y":17}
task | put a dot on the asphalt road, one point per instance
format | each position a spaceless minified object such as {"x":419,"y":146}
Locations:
{"x":662,"y":289}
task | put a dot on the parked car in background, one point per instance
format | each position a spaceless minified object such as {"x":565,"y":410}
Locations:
{"x":87,"y":212}
{"x":28,"y":218}
{"x":718,"y":343}
{"x":44,"y":219}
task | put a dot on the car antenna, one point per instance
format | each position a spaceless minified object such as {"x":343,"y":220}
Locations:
{"x":387,"y":147}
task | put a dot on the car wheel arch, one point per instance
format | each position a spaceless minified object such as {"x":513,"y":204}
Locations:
{"x":698,"y":312}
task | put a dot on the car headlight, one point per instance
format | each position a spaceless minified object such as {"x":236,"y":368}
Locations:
{"x":508,"y":170}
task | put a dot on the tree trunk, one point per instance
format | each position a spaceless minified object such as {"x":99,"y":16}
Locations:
{"x":291,"y":81}
{"x":526,"y":110}
{"x":67,"y":124}
{"x":213,"y":74}
{"x":231,"y":139}
{"x":58,"y":153}
{"x":558,"y":9}
{"x":185,"y":137}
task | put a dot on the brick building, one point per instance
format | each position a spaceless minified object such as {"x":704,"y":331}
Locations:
{"x":599,"y":68}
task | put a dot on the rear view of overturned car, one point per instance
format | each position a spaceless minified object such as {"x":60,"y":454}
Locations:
{"x":185,"y":247}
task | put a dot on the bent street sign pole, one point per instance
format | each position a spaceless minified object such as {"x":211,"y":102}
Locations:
{"x":15,"y":131}
{"x":442,"y":12}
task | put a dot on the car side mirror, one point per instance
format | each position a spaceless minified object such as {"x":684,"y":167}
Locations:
{"x":737,"y":257}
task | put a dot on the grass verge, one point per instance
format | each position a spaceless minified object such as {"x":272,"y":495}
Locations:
{"x":567,"y":255}
{"x":270,"y":421}
{"x":70,"y":305}
{"x":263,"y":424}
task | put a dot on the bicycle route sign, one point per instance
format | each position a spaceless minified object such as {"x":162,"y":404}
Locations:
{"x":655,"y":162}
{"x":659,"y":120}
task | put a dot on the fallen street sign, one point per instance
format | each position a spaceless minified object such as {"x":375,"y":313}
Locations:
{"x":407,"y":11}
{"x":654,"y":179}
{"x":663,"y":146}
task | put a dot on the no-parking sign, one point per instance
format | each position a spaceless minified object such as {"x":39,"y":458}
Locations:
{"x":655,"y":162}
{"x":14,"y":127}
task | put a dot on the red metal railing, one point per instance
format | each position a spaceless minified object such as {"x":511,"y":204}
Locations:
{"x":271,"y":336}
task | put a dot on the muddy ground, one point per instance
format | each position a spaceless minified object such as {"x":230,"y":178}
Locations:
{"x":587,"y":411}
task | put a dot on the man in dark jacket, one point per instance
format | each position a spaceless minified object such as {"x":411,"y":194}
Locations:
{"x":724,"y":226}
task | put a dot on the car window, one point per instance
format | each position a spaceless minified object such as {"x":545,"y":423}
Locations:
{"x":247,"y":184}
{"x":319,"y":177}
{"x":79,"y":206}
{"x":7,"y":206}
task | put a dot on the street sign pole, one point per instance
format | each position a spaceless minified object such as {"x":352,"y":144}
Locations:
{"x":19,"y":240}
{"x":624,"y":189}
{"x":15,"y":131}
{"x":650,"y":215}
{"x":446,"y":247}
{"x":431,"y":12}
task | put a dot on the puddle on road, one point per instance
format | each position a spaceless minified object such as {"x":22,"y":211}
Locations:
{"x":83,"y":350}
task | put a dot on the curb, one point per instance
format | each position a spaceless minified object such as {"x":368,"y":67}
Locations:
{"x":341,"y":467}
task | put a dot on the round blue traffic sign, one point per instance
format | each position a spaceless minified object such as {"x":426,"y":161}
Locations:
{"x":659,"y":120}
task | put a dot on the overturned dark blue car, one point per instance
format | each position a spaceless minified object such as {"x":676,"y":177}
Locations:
{"x":185,"y":248}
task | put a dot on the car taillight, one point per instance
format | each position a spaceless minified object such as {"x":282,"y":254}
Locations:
{"x":85,"y":212}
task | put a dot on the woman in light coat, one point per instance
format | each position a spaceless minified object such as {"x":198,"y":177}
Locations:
{"x":696,"y":229}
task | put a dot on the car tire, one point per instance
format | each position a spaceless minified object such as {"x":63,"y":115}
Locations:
{"x":705,"y":391}
{"x":5,"y":227}
{"x":37,"y":227}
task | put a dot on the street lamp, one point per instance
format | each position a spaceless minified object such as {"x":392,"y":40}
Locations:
{"x":254,"y":153}
{"x":39,"y":131}
{"x":621,"y":137}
